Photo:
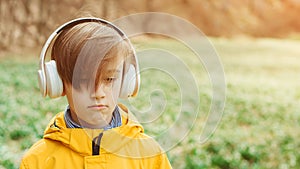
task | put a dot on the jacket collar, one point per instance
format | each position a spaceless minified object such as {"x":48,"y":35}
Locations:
{"x":80,"y":140}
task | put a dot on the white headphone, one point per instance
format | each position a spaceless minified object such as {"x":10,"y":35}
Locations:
{"x":50,"y":82}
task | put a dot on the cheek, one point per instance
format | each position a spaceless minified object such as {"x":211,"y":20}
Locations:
{"x":79,"y":98}
{"x":116,"y":88}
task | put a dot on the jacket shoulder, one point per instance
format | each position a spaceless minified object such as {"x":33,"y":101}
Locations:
{"x":38,"y":153}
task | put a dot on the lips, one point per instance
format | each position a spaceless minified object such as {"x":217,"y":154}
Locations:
{"x":98,"y":106}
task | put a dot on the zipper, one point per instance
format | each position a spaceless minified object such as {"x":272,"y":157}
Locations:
{"x":96,"y":144}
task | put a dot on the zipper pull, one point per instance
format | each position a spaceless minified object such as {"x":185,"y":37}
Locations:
{"x":96,"y":144}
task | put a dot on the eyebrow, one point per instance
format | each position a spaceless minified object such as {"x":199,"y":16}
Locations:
{"x":113,"y":70}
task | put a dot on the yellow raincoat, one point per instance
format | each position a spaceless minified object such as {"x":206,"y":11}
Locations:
{"x":123,"y":147}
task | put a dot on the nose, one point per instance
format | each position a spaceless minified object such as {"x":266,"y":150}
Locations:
{"x":99,"y":92}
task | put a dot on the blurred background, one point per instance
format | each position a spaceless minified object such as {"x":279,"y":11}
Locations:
{"x":26,"y":23}
{"x":258,"y":42}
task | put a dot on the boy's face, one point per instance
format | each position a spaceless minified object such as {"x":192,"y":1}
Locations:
{"x":92,"y":107}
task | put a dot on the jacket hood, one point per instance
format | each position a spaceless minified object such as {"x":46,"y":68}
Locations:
{"x":123,"y":141}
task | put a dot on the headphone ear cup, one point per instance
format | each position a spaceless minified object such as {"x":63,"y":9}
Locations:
{"x":128,"y":83}
{"x":42,"y":83}
{"x":54,"y":85}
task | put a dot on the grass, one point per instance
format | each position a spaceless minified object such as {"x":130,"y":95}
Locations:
{"x":260,"y":124}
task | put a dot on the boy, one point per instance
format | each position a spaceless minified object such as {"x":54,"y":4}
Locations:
{"x":95,"y":65}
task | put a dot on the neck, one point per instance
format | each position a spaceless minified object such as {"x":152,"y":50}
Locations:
{"x":84,"y":124}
